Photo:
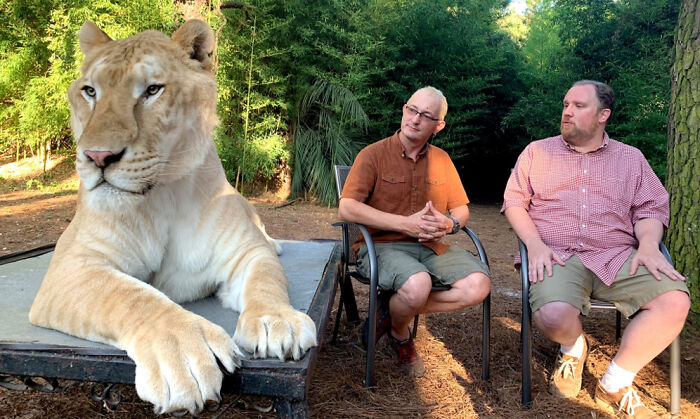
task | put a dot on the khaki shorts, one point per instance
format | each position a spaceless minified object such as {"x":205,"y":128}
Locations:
{"x":398,"y":261}
{"x":575,"y":284}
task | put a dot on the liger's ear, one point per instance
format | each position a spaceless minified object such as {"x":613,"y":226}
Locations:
{"x":197,"y":39}
{"x":91,"y":36}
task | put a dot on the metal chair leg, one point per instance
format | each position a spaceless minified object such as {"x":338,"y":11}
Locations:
{"x":485,"y":338}
{"x":526,"y":333}
{"x":337,"y":321}
{"x":415,"y":326}
{"x":349,"y":301}
{"x":371,"y":338}
{"x":675,"y":376}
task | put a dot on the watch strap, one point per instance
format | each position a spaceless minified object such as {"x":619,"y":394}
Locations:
{"x":455,"y":227}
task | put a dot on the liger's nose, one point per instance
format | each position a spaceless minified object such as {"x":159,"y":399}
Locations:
{"x":103,"y":158}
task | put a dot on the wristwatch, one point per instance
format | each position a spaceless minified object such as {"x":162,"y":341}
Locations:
{"x":455,"y":228}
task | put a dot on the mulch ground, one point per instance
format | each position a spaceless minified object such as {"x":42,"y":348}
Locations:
{"x":449,"y":343}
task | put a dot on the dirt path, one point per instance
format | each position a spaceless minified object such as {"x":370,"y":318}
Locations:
{"x":448,"y":343}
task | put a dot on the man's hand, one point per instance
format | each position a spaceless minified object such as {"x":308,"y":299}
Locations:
{"x":539,"y":260}
{"x":413,"y":224}
{"x":539,"y":255}
{"x":434,"y":225}
{"x":650,"y":256}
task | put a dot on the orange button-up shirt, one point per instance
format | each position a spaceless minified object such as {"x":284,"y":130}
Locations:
{"x":384,"y":178}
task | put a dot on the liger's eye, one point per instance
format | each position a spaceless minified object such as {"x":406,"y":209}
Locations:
{"x":89,"y":90}
{"x":153,"y":89}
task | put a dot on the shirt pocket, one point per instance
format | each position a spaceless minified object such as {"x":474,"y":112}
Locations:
{"x":614,"y":199}
{"x":392,"y":187}
{"x":436,"y":190}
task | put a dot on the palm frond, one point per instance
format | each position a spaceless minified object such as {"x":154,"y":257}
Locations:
{"x":329,"y":115}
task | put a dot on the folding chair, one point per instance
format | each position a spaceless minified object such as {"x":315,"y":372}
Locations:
{"x":526,"y":338}
{"x":347,"y":270}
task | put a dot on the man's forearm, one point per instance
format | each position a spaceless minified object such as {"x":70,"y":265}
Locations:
{"x":461,"y":214}
{"x":358,"y":212}
{"x":523,"y":225}
{"x":649,"y":232}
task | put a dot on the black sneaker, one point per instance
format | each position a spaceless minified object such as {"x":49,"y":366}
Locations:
{"x":383,"y":319}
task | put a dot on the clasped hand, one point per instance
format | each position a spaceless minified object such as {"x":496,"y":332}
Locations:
{"x":428,"y":224}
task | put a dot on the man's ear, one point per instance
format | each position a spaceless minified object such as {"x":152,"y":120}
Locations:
{"x":604,"y":115}
{"x":440,"y":125}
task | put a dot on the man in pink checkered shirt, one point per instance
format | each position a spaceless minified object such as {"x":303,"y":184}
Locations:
{"x":591,"y":213}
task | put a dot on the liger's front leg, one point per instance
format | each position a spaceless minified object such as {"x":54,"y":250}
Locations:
{"x":268,"y":325}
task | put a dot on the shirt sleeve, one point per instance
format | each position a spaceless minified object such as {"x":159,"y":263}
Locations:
{"x":518,"y":189}
{"x":457,"y":196}
{"x":650,"y":198}
{"x":360,"y":182}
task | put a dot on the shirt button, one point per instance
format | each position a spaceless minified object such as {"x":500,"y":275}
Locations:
{"x":585,"y":171}
{"x":583,"y":226}
{"x":583,"y":190}
{"x":583,"y":206}
{"x":414,"y":189}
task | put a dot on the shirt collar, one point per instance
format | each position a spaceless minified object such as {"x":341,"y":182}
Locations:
{"x":603,"y":146}
{"x":398,"y":146}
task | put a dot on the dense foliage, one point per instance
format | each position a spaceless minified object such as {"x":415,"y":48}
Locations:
{"x":625,"y":43}
{"x":39,"y":57}
{"x":305,"y":84}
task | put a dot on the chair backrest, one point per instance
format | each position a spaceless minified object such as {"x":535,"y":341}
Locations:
{"x":341,"y":174}
{"x":350,"y":232}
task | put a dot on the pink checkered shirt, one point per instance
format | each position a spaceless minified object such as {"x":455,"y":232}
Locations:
{"x":587,"y":203}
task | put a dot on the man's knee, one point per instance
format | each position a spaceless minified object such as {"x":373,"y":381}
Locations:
{"x":473,"y":288}
{"x":555,"y":315}
{"x":673,"y":304}
{"x":415,"y":291}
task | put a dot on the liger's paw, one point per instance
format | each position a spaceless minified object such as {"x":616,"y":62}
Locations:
{"x":284,"y":334}
{"x":176,"y":365}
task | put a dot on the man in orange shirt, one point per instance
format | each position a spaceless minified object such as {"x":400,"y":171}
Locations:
{"x":401,"y":188}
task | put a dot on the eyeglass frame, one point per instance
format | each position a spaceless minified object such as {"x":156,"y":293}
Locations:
{"x":421,"y":115}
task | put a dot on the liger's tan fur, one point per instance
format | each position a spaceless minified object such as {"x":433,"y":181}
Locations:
{"x":158,"y":224}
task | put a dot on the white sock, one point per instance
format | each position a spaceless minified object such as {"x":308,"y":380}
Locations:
{"x":616,"y":378}
{"x":574,"y":350}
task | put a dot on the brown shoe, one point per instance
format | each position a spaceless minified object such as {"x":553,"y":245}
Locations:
{"x":409,"y":362}
{"x":566,"y":378}
{"x":623,"y":404}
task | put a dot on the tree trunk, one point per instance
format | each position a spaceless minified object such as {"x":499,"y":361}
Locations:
{"x":47,"y":155}
{"x":683,"y":173}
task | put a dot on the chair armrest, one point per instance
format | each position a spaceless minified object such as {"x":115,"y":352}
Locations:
{"x":524,"y":266}
{"x":370,"y":248}
{"x":477,"y":243}
{"x":664,"y":251}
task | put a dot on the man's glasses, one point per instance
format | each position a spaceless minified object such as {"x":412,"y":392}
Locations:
{"x":422,"y":115}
